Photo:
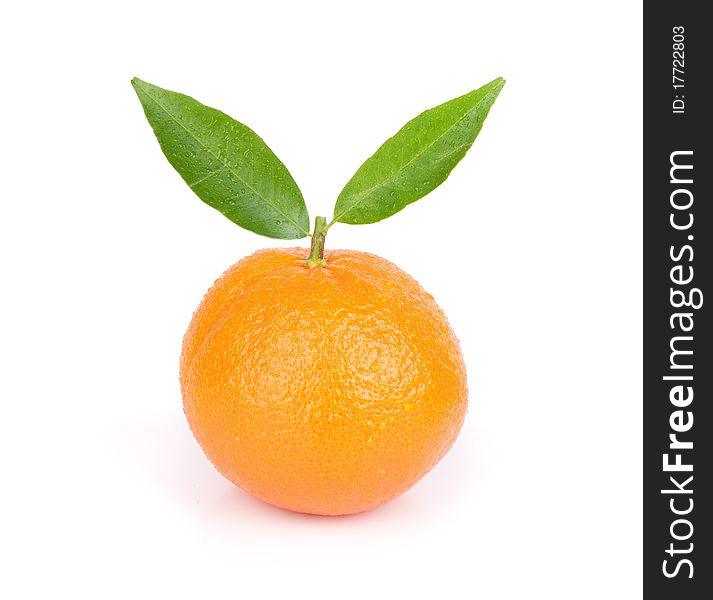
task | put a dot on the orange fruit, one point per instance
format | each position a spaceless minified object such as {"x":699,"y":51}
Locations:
{"x":327,"y":390}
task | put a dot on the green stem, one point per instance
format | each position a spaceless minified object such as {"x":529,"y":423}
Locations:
{"x":316,"y":256}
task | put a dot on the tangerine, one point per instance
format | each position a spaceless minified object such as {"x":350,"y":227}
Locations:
{"x":327,"y":389}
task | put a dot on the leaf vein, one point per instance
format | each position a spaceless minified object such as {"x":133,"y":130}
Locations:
{"x":205,"y":177}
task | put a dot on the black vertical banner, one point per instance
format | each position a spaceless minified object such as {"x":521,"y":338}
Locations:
{"x":678,"y":301}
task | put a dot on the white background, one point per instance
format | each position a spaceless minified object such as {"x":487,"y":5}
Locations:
{"x":532,"y":248}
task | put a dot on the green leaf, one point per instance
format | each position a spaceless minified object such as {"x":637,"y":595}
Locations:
{"x":225,"y":163}
{"x":417,"y":159}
